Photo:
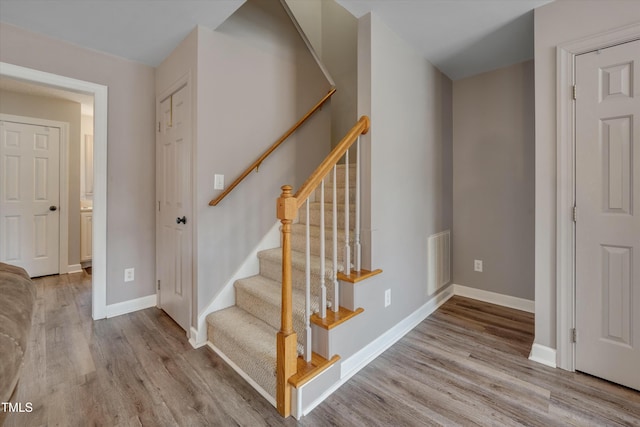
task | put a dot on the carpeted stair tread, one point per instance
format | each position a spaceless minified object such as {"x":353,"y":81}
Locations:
{"x":298,"y":261}
{"x":314,"y":215}
{"x":248,"y":341}
{"x":262,"y":298}
{"x":328,"y":196}
{"x":314,"y":231}
{"x":299,"y":240}
{"x":340,"y":174}
{"x":246,"y":333}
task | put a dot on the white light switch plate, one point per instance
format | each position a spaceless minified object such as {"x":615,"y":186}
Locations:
{"x":218,"y":182}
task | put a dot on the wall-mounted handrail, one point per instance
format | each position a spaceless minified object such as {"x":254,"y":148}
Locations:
{"x":255,"y":165}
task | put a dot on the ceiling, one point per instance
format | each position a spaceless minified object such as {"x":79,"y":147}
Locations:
{"x":146,"y":31}
{"x":461,"y":37}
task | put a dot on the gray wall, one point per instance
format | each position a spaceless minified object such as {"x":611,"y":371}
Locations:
{"x":255,"y":79}
{"x":557,"y":23}
{"x":131,"y":148}
{"x":408,"y":165}
{"x":333,"y":33}
{"x":493,"y":184}
{"x":22,"y":104}
{"x":340,"y":56}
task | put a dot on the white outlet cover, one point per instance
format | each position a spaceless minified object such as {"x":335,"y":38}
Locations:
{"x":129,"y":274}
{"x":387,"y":298}
{"x":477,"y":265}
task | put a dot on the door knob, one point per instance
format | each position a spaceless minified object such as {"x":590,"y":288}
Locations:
{"x":53,"y":208}
{"x":181,"y":220}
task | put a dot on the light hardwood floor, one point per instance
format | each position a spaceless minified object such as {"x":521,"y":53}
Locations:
{"x":465,"y":365}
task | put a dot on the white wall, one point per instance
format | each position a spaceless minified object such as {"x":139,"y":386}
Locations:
{"x":131,"y":148}
{"x":22,"y":104}
{"x":556,"y":23}
{"x":408,"y":159}
{"x":493,"y":180}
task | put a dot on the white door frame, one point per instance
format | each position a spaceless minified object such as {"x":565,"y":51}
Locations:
{"x":63,"y":238}
{"x":99,"y":92}
{"x":566,"y":182}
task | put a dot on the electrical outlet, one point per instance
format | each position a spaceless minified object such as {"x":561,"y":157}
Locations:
{"x":387,"y":298}
{"x":477,"y":265}
{"x":129,"y":274}
{"x":218,"y":182}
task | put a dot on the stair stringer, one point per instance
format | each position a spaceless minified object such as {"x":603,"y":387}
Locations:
{"x":227,"y":295}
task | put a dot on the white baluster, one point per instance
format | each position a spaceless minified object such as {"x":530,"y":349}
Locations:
{"x":323,"y":287}
{"x":307,"y":308}
{"x":357,"y":247}
{"x":347,"y":247}
{"x":336,"y":286}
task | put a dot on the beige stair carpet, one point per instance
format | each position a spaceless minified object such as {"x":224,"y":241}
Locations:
{"x":246,"y":332}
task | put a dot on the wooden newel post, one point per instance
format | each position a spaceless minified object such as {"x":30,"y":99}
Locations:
{"x":287,"y":209}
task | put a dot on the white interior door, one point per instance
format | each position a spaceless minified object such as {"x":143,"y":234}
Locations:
{"x":608,"y":208}
{"x":174,"y":203}
{"x":30,"y":197}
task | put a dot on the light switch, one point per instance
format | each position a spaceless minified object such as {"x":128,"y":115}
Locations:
{"x":218,"y":182}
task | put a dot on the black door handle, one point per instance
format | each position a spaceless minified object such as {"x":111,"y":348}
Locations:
{"x":181,"y":220}
{"x":53,"y":208}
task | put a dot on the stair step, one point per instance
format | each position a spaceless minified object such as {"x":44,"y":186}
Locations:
{"x":309,"y":370}
{"x":334,"y":319}
{"x":340,"y":169}
{"x":248,"y":341}
{"x":271,"y":268}
{"x":314,"y":215}
{"x":340,"y":190}
{"x":358,"y":276}
{"x":262,"y":298}
{"x":299,"y":241}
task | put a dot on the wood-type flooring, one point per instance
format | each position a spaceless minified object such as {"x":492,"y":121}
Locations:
{"x":464,"y":365}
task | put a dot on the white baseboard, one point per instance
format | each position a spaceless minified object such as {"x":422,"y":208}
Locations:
{"x":543,"y":354}
{"x":196,"y":340}
{"x":495,"y":298}
{"x":362,"y":358}
{"x":130,"y":306}
{"x":74,"y":268}
{"x":243,"y":374}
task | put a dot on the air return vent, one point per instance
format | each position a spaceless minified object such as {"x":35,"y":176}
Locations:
{"x":439,"y":261}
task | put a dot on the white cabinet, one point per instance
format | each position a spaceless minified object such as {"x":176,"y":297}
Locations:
{"x":86,"y":238}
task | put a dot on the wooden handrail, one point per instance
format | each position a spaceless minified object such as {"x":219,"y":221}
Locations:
{"x":287,"y":209}
{"x":360,"y":128}
{"x":255,"y":165}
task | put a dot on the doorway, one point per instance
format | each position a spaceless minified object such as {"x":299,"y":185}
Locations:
{"x":174,"y":192}
{"x":99,"y":222}
{"x":567,"y":185}
{"x":608,"y":207}
{"x":33,"y":194}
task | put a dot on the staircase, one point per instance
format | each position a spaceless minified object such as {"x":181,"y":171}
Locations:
{"x":246,"y":332}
